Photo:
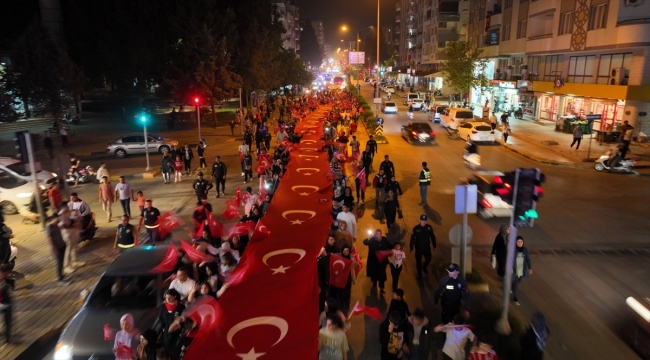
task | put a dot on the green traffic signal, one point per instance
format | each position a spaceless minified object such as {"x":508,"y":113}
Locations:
{"x":529,"y":214}
{"x":143,"y":118}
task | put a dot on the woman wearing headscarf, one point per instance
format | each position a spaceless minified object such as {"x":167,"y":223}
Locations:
{"x":500,"y":249}
{"x":375,"y":269}
{"x":148,"y":345}
{"x":522,"y":267}
{"x":127,"y":339}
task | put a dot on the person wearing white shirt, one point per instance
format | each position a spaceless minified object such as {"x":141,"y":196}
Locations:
{"x":102,"y":171}
{"x":249,"y":200}
{"x":183,"y":284}
{"x":456,"y":338}
{"x":350,"y":219}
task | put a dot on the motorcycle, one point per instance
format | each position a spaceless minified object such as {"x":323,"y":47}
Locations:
{"x":519,"y":113}
{"x":67,"y":119}
{"x":472,"y":161}
{"x":624,"y":165}
{"x":85,"y":175}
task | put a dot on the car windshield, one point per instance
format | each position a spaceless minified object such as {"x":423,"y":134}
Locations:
{"x":390,"y":104}
{"x":464,"y":115}
{"x":421,"y":127}
{"x":483,"y":128}
{"x":9,"y":181}
{"x":20,"y":169}
{"x":116,"y":292}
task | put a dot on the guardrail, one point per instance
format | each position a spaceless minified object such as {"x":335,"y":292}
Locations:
{"x":21,"y":125}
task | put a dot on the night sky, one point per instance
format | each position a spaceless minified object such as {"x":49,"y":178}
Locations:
{"x":357,"y":14}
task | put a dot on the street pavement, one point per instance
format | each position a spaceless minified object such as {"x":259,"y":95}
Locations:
{"x":588,"y":220}
{"x":583,"y":210}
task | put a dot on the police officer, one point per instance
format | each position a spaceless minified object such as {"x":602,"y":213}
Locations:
{"x":126,"y":237}
{"x":388,"y":167}
{"x":219,"y":171}
{"x":150,"y":217}
{"x":421,"y":236}
{"x":425,"y":181}
{"x":201,"y":187}
{"x":453,"y":292}
{"x":371,"y":145}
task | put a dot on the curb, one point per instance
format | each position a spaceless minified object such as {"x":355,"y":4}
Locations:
{"x":549,"y":162}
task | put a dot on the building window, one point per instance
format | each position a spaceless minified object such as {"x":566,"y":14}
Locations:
{"x":598,"y":17}
{"x":508,"y":4}
{"x":552,"y":67}
{"x":442,"y":24}
{"x":441,"y":44}
{"x":506,"y":33}
{"x":566,"y":23}
{"x":521,"y":29}
{"x":609,"y":62}
{"x":581,"y":69}
{"x":522,"y":1}
{"x":428,"y":14}
{"x":533,"y":65}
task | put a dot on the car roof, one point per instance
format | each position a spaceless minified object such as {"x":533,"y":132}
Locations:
{"x":417,"y":100}
{"x":137,"y":261}
{"x":390,"y":103}
{"x":487,"y":176}
{"x":419,"y":124}
{"x":459,"y":109}
{"x":6,"y":161}
{"x":477,"y":123}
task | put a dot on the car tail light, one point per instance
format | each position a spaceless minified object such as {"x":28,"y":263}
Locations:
{"x":474,"y":132}
{"x":433,"y":133}
{"x":486,"y":204}
{"x":414,"y":133}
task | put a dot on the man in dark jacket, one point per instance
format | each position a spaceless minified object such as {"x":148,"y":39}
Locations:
{"x":388,"y":167}
{"x":422,"y":237}
{"x":187,"y":156}
{"x":219,"y":171}
{"x":453,"y":292}
{"x":169,"y":311}
{"x":393,"y":337}
{"x":420,"y":335}
{"x":5,"y":247}
{"x":375,"y":269}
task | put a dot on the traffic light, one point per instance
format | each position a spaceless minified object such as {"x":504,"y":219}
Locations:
{"x":503,"y":186}
{"x":21,"y":146}
{"x":528,"y":192}
{"x":196,"y":101}
{"x":144,"y":117}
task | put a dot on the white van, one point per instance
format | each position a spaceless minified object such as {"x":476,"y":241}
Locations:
{"x":453,"y":116}
{"x":16,"y":187}
{"x":406,"y":99}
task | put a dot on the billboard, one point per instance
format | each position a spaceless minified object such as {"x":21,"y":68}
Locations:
{"x":357,"y":57}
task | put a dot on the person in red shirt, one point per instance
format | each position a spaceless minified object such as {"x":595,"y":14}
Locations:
{"x":178,"y":168}
{"x":54,"y":194}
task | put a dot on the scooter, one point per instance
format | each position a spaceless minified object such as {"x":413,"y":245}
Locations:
{"x":472,"y":160}
{"x":67,"y":119}
{"x":624,"y":165}
{"x":86,"y":174}
{"x":519,"y":113}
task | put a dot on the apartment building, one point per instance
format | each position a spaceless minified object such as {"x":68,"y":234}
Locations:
{"x":320,"y":33}
{"x":566,"y":58}
{"x":289,"y":17}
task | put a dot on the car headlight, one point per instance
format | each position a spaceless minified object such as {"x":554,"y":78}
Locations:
{"x":24,"y":195}
{"x":62,"y":352}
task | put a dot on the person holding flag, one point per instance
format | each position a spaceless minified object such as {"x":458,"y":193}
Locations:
{"x":377,"y":245}
{"x":360,"y":183}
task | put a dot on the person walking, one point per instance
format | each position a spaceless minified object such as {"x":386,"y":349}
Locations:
{"x":388,"y":167}
{"x":393,"y":337}
{"x":64,"y":136}
{"x":375,"y":269}
{"x":420,"y":336}
{"x":149,"y":217}
{"x":232,"y":127}
{"x":58,"y":246}
{"x":456,"y":338}
{"x":201,"y":187}
{"x":391,"y":208}
{"x":200,"y":151}
{"x":124,"y":192}
{"x":397,"y":263}
{"x":243,"y":150}
{"x":47,"y":142}
{"x":453,"y":293}
{"x":126,"y":236}
{"x":349,"y":219}
{"x":500,"y":250}
{"x":425,"y":181}
{"x":533,"y":342}
{"x":102,"y":171}
{"x":522,"y":267}
{"x":505,"y":130}
{"x":166,"y":168}
{"x":247,"y":163}
{"x":422,"y":237}
{"x":332,"y":340}
{"x":178,"y":169}
{"x":70,"y":233}
{"x":493,"y":120}
{"x":188,"y":155}
{"x":106,"y":197}
{"x":577,"y":136}
{"x":379,"y":183}
{"x":371,"y":145}
{"x":219,"y":172}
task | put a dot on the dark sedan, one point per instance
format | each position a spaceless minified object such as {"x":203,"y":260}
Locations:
{"x":419,"y":133}
{"x":127,"y":286}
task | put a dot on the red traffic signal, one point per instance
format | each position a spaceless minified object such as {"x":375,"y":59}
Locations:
{"x":196,"y":100}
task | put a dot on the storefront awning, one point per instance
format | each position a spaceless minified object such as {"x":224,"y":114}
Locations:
{"x":421,"y":72}
{"x":401,"y":69}
{"x":435,"y":75}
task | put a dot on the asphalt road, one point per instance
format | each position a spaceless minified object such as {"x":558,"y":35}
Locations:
{"x":579,"y":282}
{"x":582,"y":295}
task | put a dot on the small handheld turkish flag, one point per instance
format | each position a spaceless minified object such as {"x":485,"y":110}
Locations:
{"x":169,"y":221}
{"x":169,"y":262}
{"x":109,"y":332}
{"x":371,"y":311}
{"x":193,"y":254}
{"x":340,"y":268}
{"x":260,"y":233}
{"x":238,"y":195}
{"x":232,"y":210}
{"x":216,"y":228}
{"x":383,"y":254}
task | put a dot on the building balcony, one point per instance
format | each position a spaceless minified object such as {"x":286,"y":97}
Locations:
{"x":398,"y":18}
{"x":398,"y":7}
{"x":536,"y":7}
{"x":633,"y":31}
{"x":493,"y":7}
{"x":396,"y":42}
{"x":397,"y":30}
{"x":495,"y":20}
{"x":540,"y":43}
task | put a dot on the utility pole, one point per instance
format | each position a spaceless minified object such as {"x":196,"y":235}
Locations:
{"x":32,"y":170}
{"x":378,"y":35}
{"x":503,"y":326}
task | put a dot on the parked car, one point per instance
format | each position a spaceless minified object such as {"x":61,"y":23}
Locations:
{"x":418,"y":133}
{"x":418,"y":104}
{"x":490,"y":203}
{"x":637,"y":331}
{"x":134,"y":144}
{"x":453,"y":116}
{"x":436,"y":111}
{"x":127,"y":286}
{"x":408,"y":97}
{"x":389,"y":89}
{"x":389,"y":107}
{"x":476,"y":131}
{"x":16,"y":186}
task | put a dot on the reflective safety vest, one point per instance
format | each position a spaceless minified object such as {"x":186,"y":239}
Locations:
{"x":425,"y":177}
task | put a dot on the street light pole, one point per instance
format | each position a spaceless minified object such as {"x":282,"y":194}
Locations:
{"x":146,"y":141}
{"x":378,"y":34}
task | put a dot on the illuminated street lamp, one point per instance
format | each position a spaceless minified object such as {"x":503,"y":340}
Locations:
{"x":198,"y":115}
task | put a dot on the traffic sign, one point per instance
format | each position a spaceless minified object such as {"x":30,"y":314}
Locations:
{"x":455,"y":234}
{"x":379,"y":121}
{"x":379,"y":130}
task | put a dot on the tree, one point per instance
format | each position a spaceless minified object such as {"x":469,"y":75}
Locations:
{"x":46,"y":78}
{"x":290,"y":70}
{"x":8,"y":99}
{"x":464,"y":67}
{"x":310,"y":51}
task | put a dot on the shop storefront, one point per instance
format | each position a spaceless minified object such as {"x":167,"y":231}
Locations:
{"x":527,"y":99}
{"x":505,"y":95}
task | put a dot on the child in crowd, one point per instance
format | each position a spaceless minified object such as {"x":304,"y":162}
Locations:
{"x":396,"y":264}
{"x":398,"y":304}
{"x":457,"y":335}
{"x":139,"y":198}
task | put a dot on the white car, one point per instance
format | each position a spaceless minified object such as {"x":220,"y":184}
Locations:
{"x":16,"y":186}
{"x":476,"y":131}
{"x":389,"y":89}
{"x":490,"y":203}
{"x":389,"y":107}
{"x":418,"y":104}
